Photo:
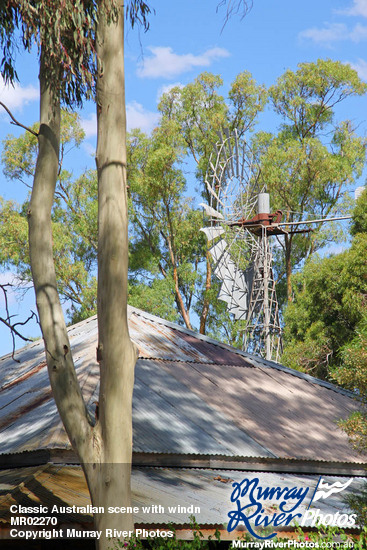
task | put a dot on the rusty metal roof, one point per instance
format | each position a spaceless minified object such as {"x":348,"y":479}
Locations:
{"x":206,"y":489}
{"x":191,"y":395}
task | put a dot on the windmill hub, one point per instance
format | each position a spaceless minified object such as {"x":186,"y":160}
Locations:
{"x":262,"y":219}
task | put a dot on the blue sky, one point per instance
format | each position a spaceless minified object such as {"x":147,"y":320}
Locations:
{"x":188,"y":38}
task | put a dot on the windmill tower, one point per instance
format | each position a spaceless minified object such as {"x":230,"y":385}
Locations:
{"x":239,"y":229}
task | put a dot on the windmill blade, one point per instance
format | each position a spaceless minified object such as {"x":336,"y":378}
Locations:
{"x":225,"y":268}
{"x":235,"y":297}
{"x":234,"y":290}
{"x":224,"y":156}
{"x":237,"y":312}
{"x":239,"y":304}
{"x":226,"y":131}
{"x":211,"y":212}
{"x":218,"y":249}
{"x":240,"y":295}
{"x":240,"y":313}
{"x":237,"y":156}
{"x":230,"y":280}
{"x":227,"y":276}
{"x":214,"y":177}
{"x":225,"y":291}
{"x":213,"y":193}
{"x":212,"y":232}
{"x":237,"y":301}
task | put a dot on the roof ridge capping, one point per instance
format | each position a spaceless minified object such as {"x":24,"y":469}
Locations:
{"x":255,"y":360}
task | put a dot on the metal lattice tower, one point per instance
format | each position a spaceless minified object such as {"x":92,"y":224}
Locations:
{"x":262,"y":335}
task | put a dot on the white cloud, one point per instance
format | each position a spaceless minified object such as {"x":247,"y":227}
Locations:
{"x":15,"y":98}
{"x":330,"y":33}
{"x":166,"y":64}
{"x":136,"y":117}
{"x":335,"y":32}
{"x":359,"y":7}
{"x":361,"y":67}
{"x":89,"y":125}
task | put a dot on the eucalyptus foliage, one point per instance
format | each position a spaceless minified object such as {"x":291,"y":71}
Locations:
{"x":74,"y":218}
{"x":170,"y":274}
{"x":65,"y":30}
{"x":325,"y":325}
{"x":313,"y":159}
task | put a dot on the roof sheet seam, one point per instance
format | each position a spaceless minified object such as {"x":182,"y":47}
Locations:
{"x":256,"y":361}
{"x":195,"y":362}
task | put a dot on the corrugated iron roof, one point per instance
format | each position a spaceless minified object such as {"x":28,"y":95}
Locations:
{"x":206,"y":489}
{"x":191,"y":395}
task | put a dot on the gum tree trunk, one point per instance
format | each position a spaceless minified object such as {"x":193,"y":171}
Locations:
{"x":60,"y":365}
{"x":104,"y":449}
{"x":117,"y":354}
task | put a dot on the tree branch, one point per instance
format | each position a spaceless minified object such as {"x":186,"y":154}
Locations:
{"x":235,"y":7}
{"x":16,"y":122}
{"x":14,"y":332}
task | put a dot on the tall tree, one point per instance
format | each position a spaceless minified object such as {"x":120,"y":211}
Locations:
{"x":313,"y":159}
{"x":326,"y":329}
{"x":104,"y":446}
{"x":351,"y":371}
{"x":71,"y":37}
{"x":197,"y":112}
{"x":167,"y":246}
{"x":109,"y":475}
{"x":327,"y":318}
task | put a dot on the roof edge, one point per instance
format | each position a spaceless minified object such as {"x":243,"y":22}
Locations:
{"x":304,"y":466}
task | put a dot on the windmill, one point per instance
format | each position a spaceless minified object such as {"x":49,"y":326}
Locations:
{"x":239,"y":231}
